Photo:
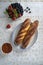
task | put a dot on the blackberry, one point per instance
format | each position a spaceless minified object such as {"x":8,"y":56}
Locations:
{"x":18,"y":11}
{"x":18,"y":7}
{"x":13,"y":5}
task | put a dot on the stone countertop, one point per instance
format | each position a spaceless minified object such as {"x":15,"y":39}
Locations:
{"x":35,"y":55}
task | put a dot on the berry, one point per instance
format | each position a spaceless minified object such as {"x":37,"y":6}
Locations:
{"x":10,"y":8}
{"x":20,"y":15}
{"x":10,"y":13}
{"x":8,"y":26}
{"x":13,"y":18}
{"x":27,"y":7}
{"x":29,"y":11}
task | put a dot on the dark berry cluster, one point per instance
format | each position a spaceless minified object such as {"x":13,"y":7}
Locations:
{"x":15,"y":10}
{"x":18,"y":7}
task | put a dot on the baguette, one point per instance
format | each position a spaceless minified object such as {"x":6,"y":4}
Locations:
{"x":22,"y":32}
{"x":29,"y":34}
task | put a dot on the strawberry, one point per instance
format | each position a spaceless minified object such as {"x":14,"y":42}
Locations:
{"x":10,"y":13}
{"x":10,"y":7}
{"x":8,"y":26}
{"x":13,"y":18}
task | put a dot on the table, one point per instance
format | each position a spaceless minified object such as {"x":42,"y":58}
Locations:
{"x":35,"y":54}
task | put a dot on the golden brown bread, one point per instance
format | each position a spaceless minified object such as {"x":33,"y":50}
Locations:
{"x":23,"y":30}
{"x":30,"y":33}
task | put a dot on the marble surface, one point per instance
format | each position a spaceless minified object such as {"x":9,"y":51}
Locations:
{"x":34,"y":56}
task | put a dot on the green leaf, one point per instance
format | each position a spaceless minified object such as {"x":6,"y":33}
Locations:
{"x":9,"y":17}
{"x":5,"y":12}
{"x":15,"y":13}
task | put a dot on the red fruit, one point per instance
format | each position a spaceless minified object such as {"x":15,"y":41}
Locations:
{"x":8,"y":26}
{"x":10,"y":13}
{"x":13,"y":18}
{"x":13,"y":15}
{"x":20,"y":15}
{"x":10,"y":7}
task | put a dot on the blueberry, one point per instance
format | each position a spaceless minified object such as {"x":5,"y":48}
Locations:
{"x":13,"y":5}
{"x":28,"y":8}
{"x":29,"y":11}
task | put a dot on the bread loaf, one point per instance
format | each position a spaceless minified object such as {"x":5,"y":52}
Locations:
{"x":30,"y":33}
{"x":22,"y":32}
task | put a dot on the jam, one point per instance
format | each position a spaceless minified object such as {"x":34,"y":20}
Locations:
{"x":6,"y":48}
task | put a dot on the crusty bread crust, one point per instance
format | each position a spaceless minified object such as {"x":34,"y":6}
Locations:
{"x":22,"y":32}
{"x":30,"y":33}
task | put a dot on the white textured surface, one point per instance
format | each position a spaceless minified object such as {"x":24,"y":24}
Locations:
{"x":34,"y":56}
